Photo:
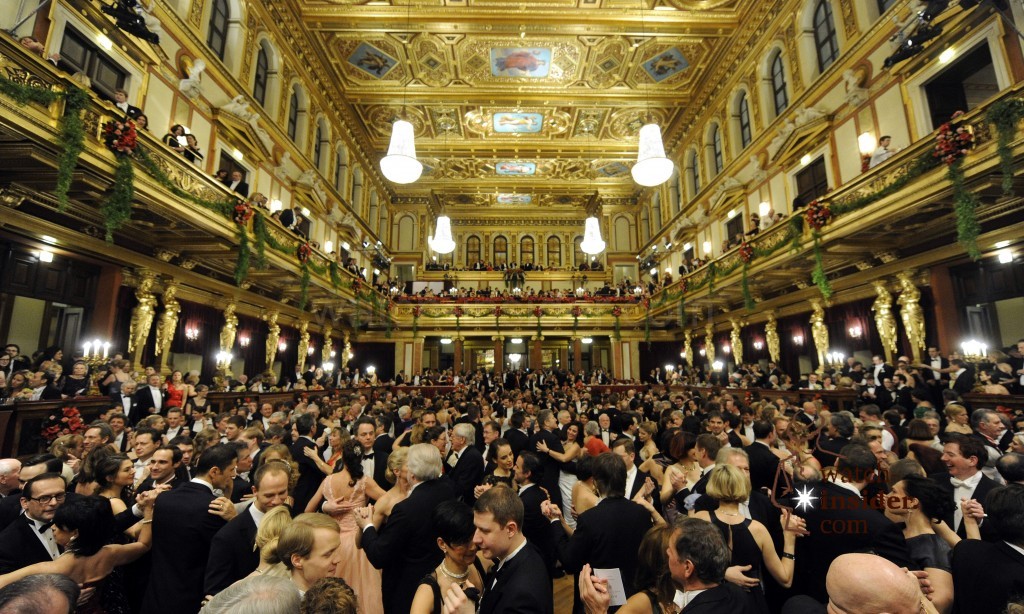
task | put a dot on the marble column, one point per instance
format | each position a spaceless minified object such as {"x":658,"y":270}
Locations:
{"x":499,"y":353}
{"x":460,"y":346}
{"x":536,"y":353}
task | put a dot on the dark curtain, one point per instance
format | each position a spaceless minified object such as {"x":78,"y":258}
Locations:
{"x":208,"y":322}
{"x":254,"y":354}
{"x":790,"y":351}
{"x":316,"y":341}
{"x":750,"y":335}
{"x":123,"y":320}
{"x":380,"y":355}
{"x":288,"y":358}
{"x":658,"y":354}
{"x":843,"y":322}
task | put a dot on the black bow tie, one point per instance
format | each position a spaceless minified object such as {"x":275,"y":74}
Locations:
{"x":368,"y":456}
{"x":44,"y":527}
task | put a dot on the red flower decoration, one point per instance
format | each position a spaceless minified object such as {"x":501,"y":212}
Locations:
{"x":746,"y":252}
{"x":304,"y":251}
{"x":243,"y":213}
{"x":817,"y":215}
{"x":684,"y":285}
{"x":953,"y":141}
{"x":69,"y":423}
{"x":617,"y":311}
{"x":416,"y":311}
{"x":120,"y":137}
{"x":498,"y":311}
{"x":577,"y":311}
{"x":538,"y":312}
{"x":458,"y":312}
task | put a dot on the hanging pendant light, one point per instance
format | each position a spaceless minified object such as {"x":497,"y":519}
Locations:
{"x":592,"y":242}
{"x":652,"y":167}
{"x":401,"y":165}
{"x":442,"y":241}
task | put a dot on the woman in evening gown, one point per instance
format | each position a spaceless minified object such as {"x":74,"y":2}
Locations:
{"x":341,"y":494}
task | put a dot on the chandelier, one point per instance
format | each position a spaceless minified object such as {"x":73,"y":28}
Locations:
{"x":442,"y":241}
{"x":401,"y":165}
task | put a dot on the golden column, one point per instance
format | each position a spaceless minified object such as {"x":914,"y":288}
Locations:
{"x":460,"y":351}
{"x":325,"y":351}
{"x":499,"y":353}
{"x":346,"y":352}
{"x":167,"y":324}
{"x":911,"y":314}
{"x":735,"y":341}
{"x":709,"y":343}
{"x":303,"y":345}
{"x":229,"y":329}
{"x":273,"y":337}
{"x":819,"y":332}
{"x":885,"y":322}
{"x":577,"y":353}
{"x":771,"y":337}
{"x":687,"y":347}
{"x":142,"y":317}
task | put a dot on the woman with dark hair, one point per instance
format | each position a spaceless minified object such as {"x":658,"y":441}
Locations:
{"x":917,"y":444}
{"x":570,"y":437}
{"x":115,"y":475}
{"x":656,"y":588}
{"x":503,"y":461}
{"x":17,"y":387}
{"x":342,"y":493}
{"x":437,"y":436}
{"x":171,"y":138}
{"x":584,"y":492}
{"x":83,"y":526}
{"x":921,"y":504}
{"x":453,"y":525}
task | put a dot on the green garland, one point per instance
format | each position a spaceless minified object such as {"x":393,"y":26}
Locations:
{"x":965,"y":203}
{"x":748,"y":300}
{"x":259,"y":229}
{"x":335,"y":274}
{"x":1006,"y":115}
{"x":244,"y":254}
{"x":682,"y":313}
{"x":796,"y":232}
{"x":618,"y":332}
{"x":117,"y":209}
{"x":818,"y":276}
{"x":304,"y":287}
{"x":69,"y":126}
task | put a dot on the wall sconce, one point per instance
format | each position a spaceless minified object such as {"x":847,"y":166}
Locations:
{"x":282,"y":346}
{"x":758,"y":346}
{"x":333,"y":353}
{"x":866,"y":143}
{"x":244,"y":340}
{"x":798,"y":339}
{"x":855,"y":331}
{"x":702,"y":352}
{"x":310,"y":350}
{"x":726,"y":348}
{"x":717,"y":365}
{"x":191,"y":333}
{"x":707,"y":248}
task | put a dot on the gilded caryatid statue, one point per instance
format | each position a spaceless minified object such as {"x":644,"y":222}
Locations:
{"x":303,"y":344}
{"x":167,"y":324}
{"x":736,"y":341}
{"x":819,"y":332}
{"x":346,"y":352}
{"x":885,"y":322}
{"x":230,"y":328}
{"x":709,"y":343}
{"x":142,"y":317}
{"x":325,"y":352}
{"x":687,"y":349}
{"x":273,"y":336}
{"x":771,"y":337}
{"x":911,"y":314}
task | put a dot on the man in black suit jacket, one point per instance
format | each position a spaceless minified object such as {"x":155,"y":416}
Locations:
{"x":405,"y":548}
{"x":237,"y":184}
{"x":29,"y":539}
{"x":382,"y":444}
{"x":185,"y":520}
{"x":518,"y":582}
{"x":836,"y":437}
{"x":764,"y":464}
{"x":879,"y":371}
{"x":964,"y":457}
{"x":608,"y":535}
{"x":988,"y":575}
{"x":232,"y":556}
{"x":963,"y":378}
{"x":839,"y":521}
{"x":128,"y":404}
{"x":516,"y":435}
{"x":547,"y":434}
{"x":466,"y":464}
{"x":151,"y":399}
{"x":534,"y":526}
{"x":310,"y":475}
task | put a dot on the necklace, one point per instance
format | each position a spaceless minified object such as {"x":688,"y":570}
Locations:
{"x":454,"y":576}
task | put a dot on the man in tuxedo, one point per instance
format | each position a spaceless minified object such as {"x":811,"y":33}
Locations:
{"x":162,"y":466}
{"x":518,"y":583}
{"x":879,"y":371}
{"x":625,"y":449}
{"x":310,"y":475}
{"x":150,"y":398}
{"x":517,"y":436}
{"x":492,"y":431}
{"x":185,"y":521}
{"x":838,"y":503}
{"x":547,"y":436}
{"x":175,"y":424}
{"x":405,"y":548}
{"x":29,"y":539}
{"x":964,"y":456}
{"x":382,"y":444}
{"x":717,"y":426}
{"x":987,"y":575}
{"x":127,"y":403}
{"x":121,"y":102}
{"x":837,"y":435}
{"x":529,"y":471}
{"x":146,"y":443}
{"x":232,"y":556}
{"x":689,"y":488}
{"x":608,"y":535}
{"x":764,"y":464}
{"x":466,"y":464}
{"x":44,"y":386}
{"x":237,"y":185}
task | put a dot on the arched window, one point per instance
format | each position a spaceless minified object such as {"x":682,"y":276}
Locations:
{"x":293,"y":113}
{"x":217,"y":37}
{"x":554,"y":251}
{"x":340,"y":169}
{"x":779,"y":94}
{"x":526,"y":251}
{"x":825,"y":39}
{"x":645,"y":226}
{"x":472,"y":250}
{"x":693,"y":172}
{"x":259,"y":83}
{"x":578,"y":257}
{"x":675,"y":191}
{"x":743,"y":114}
{"x":500,"y":250}
{"x":318,"y":144}
{"x":716,"y":149}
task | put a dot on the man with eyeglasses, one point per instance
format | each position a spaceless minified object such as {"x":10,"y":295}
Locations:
{"x":10,"y":507}
{"x":30,"y":539}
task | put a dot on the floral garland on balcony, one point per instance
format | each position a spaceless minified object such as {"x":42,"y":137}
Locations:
{"x":817,"y":216}
{"x":617,"y":313}
{"x":1006,"y":115}
{"x":746,"y":253}
{"x":458,"y":312}
{"x":951,"y":145}
{"x":121,"y":138}
{"x":538,"y":312}
{"x":416,"y":311}
{"x":577,"y":311}
{"x":498,"y":311}
{"x":67,"y":422}
{"x":70,"y":127}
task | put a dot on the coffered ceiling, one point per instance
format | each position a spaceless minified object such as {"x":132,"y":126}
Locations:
{"x":535,"y":102}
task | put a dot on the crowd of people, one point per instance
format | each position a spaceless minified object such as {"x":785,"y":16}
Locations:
{"x":624,"y":291}
{"x":352,"y":497}
{"x":482,"y":265}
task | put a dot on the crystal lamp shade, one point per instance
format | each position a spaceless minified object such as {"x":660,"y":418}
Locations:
{"x":401,"y":165}
{"x":442,"y":242}
{"x":652,"y":167}
{"x":592,"y":242}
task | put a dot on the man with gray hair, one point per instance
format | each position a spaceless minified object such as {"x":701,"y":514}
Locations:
{"x":256,"y":595}
{"x":405,"y":549}
{"x":44,"y":593}
{"x":464,"y":461}
{"x":989,"y":430}
{"x":10,"y":468}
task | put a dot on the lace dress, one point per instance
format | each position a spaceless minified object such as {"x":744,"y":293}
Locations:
{"x":353,"y":566}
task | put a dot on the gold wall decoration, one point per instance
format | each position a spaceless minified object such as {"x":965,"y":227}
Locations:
{"x":687,"y":347}
{"x":229,"y":329}
{"x":736,"y":341}
{"x":303,"y":348}
{"x":819,"y":332}
{"x":709,"y":342}
{"x":273,"y":337}
{"x":911,"y":313}
{"x":142,"y":316}
{"x":885,"y":322}
{"x":771,"y":337}
{"x":195,"y":13}
{"x":167,"y":324}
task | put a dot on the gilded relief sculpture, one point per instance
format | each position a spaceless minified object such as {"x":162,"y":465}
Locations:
{"x":911,"y":314}
{"x":325,"y":352}
{"x":885,"y":322}
{"x":303,"y":345}
{"x":167,"y":324}
{"x":735,"y":341}
{"x":771,"y":337}
{"x":230,"y":328}
{"x":819,"y":332}
{"x":687,"y":347}
{"x":273,"y":336}
{"x":142,"y":317}
{"x":709,"y":343}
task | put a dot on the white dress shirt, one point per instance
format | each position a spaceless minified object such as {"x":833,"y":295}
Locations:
{"x":45,"y":537}
{"x":158,"y":397}
{"x":630,"y":479}
{"x":963,"y":489}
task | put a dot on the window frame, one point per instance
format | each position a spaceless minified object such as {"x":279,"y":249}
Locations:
{"x":716,"y":149}
{"x":503,"y":252}
{"x":523,"y":252}
{"x":554,"y":248}
{"x":473,"y":254}
{"x":293,"y":114}
{"x":220,"y":18}
{"x":262,"y":76}
{"x":777,"y":72}
{"x":93,"y":59}
{"x":743,"y":115}
{"x":826,"y":39}
{"x":318,"y":148}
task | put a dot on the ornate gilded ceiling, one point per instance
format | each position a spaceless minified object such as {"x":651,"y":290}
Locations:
{"x":533,"y":102}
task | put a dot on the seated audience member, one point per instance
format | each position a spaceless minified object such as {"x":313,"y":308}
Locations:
{"x":237,"y":183}
{"x":263,"y":594}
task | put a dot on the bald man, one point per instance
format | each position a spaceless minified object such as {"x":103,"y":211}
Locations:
{"x":868,"y":584}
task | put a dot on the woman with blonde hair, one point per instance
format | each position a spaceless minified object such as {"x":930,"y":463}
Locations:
{"x":68,"y":449}
{"x":399,"y":490}
{"x":957,"y":420}
{"x":271,"y":527}
{"x":647,"y":435}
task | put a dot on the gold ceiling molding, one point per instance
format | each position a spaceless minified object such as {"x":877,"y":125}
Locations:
{"x":524,"y":121}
